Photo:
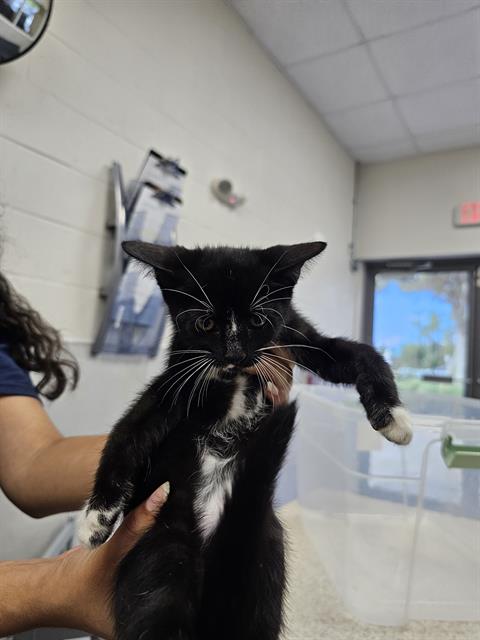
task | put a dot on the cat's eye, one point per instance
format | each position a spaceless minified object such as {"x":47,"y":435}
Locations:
{"x":257,"y":320}
{"x":205,"y":324}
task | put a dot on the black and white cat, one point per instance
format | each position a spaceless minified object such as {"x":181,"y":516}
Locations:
{"x":212,"y":566}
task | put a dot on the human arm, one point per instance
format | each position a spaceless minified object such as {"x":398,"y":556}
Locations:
{"x":72,"y":590}
{"x":41,"y":471}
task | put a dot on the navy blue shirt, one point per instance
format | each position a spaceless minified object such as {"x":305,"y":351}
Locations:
{"x":14,"y":381}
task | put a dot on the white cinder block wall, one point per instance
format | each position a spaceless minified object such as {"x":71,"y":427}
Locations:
{"x":109,"y":80}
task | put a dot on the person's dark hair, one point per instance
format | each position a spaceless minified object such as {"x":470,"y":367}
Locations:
{"x":34,"y":344}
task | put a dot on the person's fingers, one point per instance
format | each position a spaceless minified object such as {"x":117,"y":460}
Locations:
{"x":277,"y":395}
{"x":158,"y":498}
{"x":140,"y":519}
{"x":280,"y":367}
{"x":280,"y":370}
{"x":272,"y":391}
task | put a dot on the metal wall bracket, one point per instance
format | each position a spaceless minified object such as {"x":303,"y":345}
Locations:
{"x":116,"y":226}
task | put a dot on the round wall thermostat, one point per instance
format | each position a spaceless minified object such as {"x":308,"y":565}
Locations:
{"x":222,"y":189}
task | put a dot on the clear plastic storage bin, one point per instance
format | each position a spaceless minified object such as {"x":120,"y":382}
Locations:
{"x":397,"y":530}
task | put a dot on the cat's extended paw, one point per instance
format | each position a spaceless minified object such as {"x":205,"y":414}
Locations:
{"x":399,"y":429}
{"x":96,"y":525}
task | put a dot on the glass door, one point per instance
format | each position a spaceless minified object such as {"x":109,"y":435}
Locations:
{"x":424,"y":318}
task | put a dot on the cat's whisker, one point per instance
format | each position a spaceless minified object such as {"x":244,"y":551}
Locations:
{"x":262,"y":315}
{"x":195,"y":279}
{"x":199,"y":367}
{"x":179,"y":375}
{"x":168,"y":356}
{"x":204,"y":382}
{"x":198,"y":379}
{"x":201,"y":381}
{"x":209,"y":376}
{"x":271,"y":375}
{"x":181,"y":362}
{"x":282,"y":378}
{"x":278,"y":375}
{"x":177,"y":364}
{"x":301,"y":346}
{"x":274,"y":310}
{"x":270,"y":300}
{"x":259,"y":376}
{"x":262,"y":382}
{"x":187,"y":311}
{"x":266,"y":373}
{"x":272,"y":293}
{"x":199,"y":318}
{"x":184,"y":293}
{"x":265,"y":278}
{"x":178,"y":383}
{"x":273,"y":360}
{"x":302,"y":366}
{"x":263,"y":377}
{"x":297,"y":331}
{"x":188,"y":351}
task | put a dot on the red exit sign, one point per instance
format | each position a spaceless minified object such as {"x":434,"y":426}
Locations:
{"x":467,"y":214}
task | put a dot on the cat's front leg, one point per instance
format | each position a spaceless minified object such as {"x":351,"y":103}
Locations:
{"x":112,"y":491}
{"x":125,"y":457}
{"x":344,"y":361}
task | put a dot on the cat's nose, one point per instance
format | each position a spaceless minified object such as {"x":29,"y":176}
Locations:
{"x":236,"y":357}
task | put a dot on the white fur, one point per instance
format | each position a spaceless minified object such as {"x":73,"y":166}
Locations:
{"x":400,"y":429}
{"x":238,"y":406}
{"x":233,"y":344}
{"x":216,"y":483}
{"x":89,"y":524}
{"x":217,"y":473}
{"x":233,"y":326}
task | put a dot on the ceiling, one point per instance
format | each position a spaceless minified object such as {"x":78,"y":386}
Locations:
{"x":390,"y":78}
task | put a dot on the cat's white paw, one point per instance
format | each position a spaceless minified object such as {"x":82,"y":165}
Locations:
{"x":400,"y":428}
{"x":96,"y":525}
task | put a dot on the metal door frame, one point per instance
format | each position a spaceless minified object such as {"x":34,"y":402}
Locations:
{"x":432,"y":265}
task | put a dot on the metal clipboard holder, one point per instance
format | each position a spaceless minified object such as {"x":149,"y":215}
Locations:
{"x":135,"y":314}
{"x":117,"y":227}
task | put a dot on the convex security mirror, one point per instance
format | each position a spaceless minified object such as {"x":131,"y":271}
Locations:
{"x":22,"y":24}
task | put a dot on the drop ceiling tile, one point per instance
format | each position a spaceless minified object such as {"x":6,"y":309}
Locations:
{"x":381,"y":153}
{"x":454,"y":139}
{"x":293,"y":31}
{"x":372,"y":125}
{"x":434,"y":55}
{"x":451,"y":107}
{"x":382,"y":17}
{"x":339,"y":81}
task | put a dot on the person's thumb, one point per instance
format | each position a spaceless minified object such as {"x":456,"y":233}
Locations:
{"x":140,"y":519}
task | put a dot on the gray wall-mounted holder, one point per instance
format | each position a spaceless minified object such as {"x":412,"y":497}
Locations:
{"x":116,"y":226}
{"x":135,"y":313}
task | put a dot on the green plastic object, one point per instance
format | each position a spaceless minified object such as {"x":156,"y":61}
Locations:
{"x":460,"y":456}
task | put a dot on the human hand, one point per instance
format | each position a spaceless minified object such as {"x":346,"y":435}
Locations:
{"x":277,"y":373}
{"x":87,"y":576}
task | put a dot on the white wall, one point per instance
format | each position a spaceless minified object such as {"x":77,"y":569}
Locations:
{"x":405,"y":207}
{"x":112,"y":79}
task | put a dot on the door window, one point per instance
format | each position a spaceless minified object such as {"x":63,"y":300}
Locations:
{"x":423,"y":322}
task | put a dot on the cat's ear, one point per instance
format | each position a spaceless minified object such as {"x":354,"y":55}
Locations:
{"x":156,"y":256}
{"x":164,"y":260}
{"x":291,"y":258}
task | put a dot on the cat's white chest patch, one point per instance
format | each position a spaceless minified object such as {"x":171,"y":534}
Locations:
{"x":237,"y":408}
{"x":214,"y":488}
{"x":216,"y":474}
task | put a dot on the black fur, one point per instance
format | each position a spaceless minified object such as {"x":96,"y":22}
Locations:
{"x":179,"y":583}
